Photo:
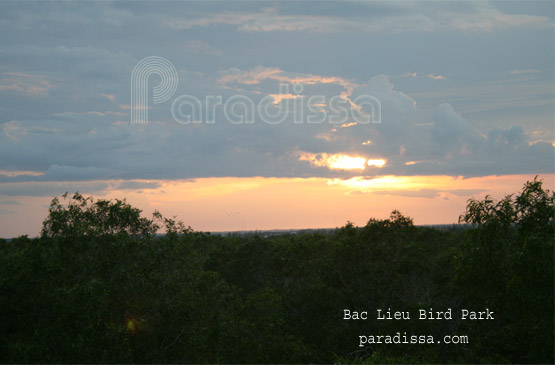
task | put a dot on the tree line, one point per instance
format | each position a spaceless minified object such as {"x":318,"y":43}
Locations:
{"x":100,"y":285}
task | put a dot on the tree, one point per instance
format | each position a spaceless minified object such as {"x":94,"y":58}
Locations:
{"x":396,"y":220}
{"x":508,"y":264}
{"x":83,"y":216}
{"x":533,"y":209}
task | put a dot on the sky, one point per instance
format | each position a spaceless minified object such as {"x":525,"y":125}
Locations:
{"x":244,"y":115}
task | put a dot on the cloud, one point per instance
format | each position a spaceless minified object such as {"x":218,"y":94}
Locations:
{"x":279,"y":97}
{"x":429,"y":76}
{"x":95,"y":113}
{"x":265,"y":20}
{"x":435,"y":77}
{"x":260,"y":73}
{"x":466,"y":192}
{"x":4,"y":211}
{"x":52,"y":188}
{"x":487,"y":18}
{"x":10,"y":202}
{"x":136,"y":185}
{"x":421,"y":193}
{"x":110,"y":97}
{"x":525,"y":71}
{"x":11,"y":173}
{"x":56,"y":188}
{"x":200,"y":47}
{"x":368,"y":16}
{"x":447,"y":143}
{"x":68,"y":173}
{"x":62,"y":87}
{"x":419,"y":17}
{"x":427,"y":193}
{"x":409,"y":140}
{"x":25,"y":83}
{"x":496,"y":95}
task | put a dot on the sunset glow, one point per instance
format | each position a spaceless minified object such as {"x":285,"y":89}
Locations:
{"x":228,"y":203}
{"x":258,"y":203}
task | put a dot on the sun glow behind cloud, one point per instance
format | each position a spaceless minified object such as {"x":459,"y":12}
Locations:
{"x":345,"y":162}
{"x":376,"y":163}
{"x":340,"y":161}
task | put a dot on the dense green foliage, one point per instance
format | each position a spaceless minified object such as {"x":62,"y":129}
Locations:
{"x":100,"y":286}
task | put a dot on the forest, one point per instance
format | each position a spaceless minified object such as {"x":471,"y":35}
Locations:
{"x":102,"y":284}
